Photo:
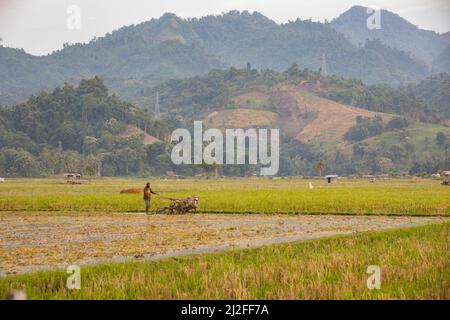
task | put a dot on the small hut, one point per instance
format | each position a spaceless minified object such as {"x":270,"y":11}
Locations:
{"x":331,"y":178}
{"x":172,"y":175}
{"x":446,"y":176}
{"x":72,"y":175}
{"x":73,"y":178}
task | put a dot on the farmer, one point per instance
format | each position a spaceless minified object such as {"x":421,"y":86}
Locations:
{"x":147,"y":196}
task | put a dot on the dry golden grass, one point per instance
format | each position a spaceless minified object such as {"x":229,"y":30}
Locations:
{"x":301,"y":114}
{"x":255,"y":98}
{"x":132,"y":190}
{"x":332,"y":119}
{"x":241,"y":118}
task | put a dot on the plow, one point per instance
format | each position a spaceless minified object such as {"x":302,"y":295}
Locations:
{"x":179,"y":206}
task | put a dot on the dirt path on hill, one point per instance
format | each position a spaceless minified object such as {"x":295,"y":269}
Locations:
{"x":39,"y":241}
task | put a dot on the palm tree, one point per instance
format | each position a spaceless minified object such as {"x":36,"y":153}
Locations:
{"x":320,"y":166}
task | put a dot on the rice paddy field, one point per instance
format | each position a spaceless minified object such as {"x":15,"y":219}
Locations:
{"x":383,"y":197}
{"x":250,"y":239}
{"x":414,"y":264}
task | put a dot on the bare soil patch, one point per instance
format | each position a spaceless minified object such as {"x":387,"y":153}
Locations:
{"x":45,"y":240}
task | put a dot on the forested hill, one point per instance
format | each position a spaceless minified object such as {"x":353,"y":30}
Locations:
{"x":434,"y":92}
{"x":171,"y":47}
{"x":426,"y":101}
{"x":353,"y":128}
{"x":442,"y":62}
{"x":74,"y":129}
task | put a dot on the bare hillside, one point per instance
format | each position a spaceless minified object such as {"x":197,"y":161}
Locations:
{"x":295,"y":109}
{"x":133,"y":131}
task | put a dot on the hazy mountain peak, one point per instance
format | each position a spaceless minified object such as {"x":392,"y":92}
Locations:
{"x":361,"y":13}
{"x":242,"y":18}
{"x":170,"y":29}
{"x":169,"y":16}
{"x":394,"y":31}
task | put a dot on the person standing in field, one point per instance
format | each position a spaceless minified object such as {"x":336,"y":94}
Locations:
{"x":148,"y":196}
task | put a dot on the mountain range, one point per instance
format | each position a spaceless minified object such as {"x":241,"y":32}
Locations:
{"x":147,"y":54}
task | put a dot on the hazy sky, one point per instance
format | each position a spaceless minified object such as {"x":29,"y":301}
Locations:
{"x":40,"y":26}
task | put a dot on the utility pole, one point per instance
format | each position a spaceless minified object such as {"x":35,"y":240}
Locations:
{"x":324,"y":65}
{"x":157,"y":105}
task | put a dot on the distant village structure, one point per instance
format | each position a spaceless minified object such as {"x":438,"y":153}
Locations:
{"x":72,"y":175}
{"x":171,"y":175}
{"x":331,"y":178}
{"x":446,"y":176}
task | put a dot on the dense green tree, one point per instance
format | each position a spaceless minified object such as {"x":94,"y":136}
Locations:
{"x":18,"y":162}
{"x":441,"y":139}
{"x":320,"y":166}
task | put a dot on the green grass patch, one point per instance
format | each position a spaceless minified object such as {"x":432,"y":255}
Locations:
{"x":396,"y":197}
{"x":422,"y":136}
